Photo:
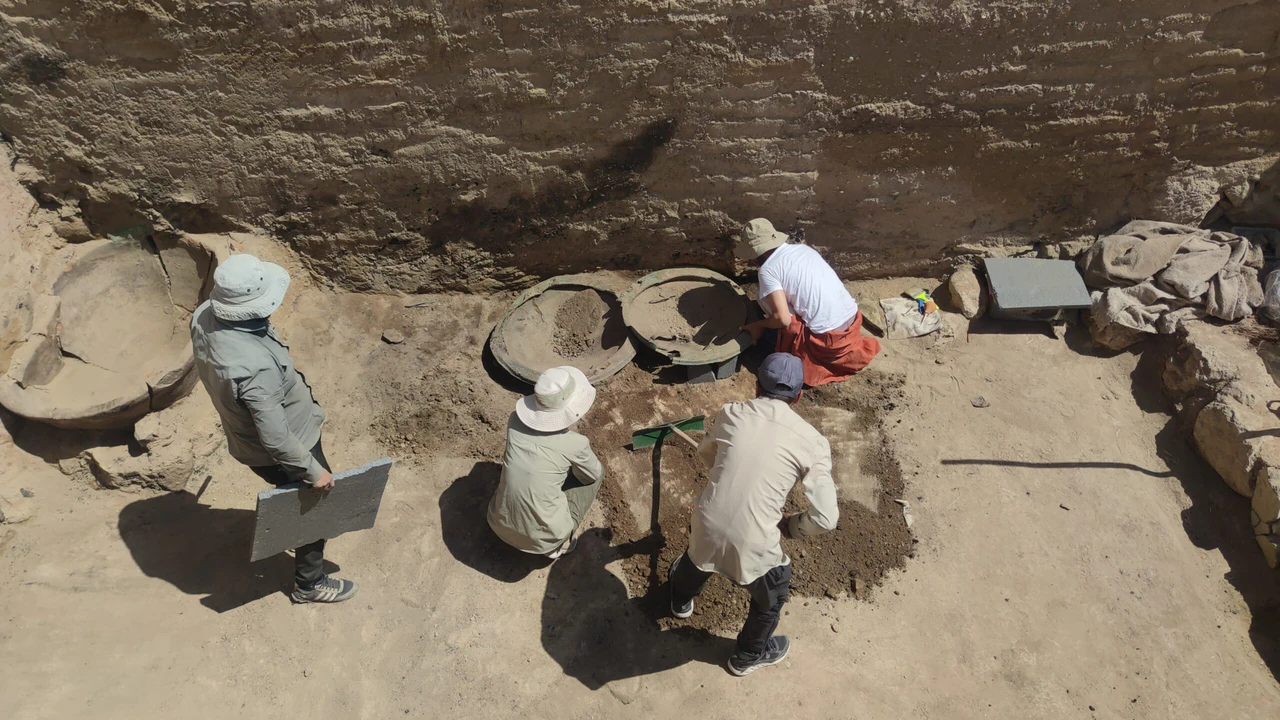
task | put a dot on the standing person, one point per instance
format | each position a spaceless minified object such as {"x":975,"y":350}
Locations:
{"x":803,"y":299}
{"x":755,"y":452}
{"x":270,"y":417}
{"x":550,"y":476}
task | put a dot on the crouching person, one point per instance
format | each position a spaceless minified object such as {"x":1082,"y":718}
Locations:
{"x":755,"y":452}
{"x":550,"y":476}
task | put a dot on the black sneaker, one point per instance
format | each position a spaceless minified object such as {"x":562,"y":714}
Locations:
{"x":773,"y":654}
{"x":328,"y":590}
{"x":685,"y":610}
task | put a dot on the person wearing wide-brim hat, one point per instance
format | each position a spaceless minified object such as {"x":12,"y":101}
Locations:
{"x":270,"y":417}
{"x":813,"y":314}
{"x":550,"y":476}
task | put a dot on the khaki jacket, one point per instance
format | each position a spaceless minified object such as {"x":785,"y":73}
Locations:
{"x":529,"y":511}
{"x":755,"y":452}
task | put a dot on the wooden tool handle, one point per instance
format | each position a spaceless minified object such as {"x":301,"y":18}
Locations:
{"x":682,"y":434}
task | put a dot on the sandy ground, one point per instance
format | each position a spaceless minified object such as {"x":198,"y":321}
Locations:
{"x":1074,"y":560}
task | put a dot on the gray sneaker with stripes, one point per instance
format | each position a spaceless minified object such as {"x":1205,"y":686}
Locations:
{"x":328,"y":590}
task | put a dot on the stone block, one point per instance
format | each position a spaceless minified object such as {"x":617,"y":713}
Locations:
{"x":295,"y":515}
{"x":967,"y":294}
{"x":1213,"y":361}
{"x":1265,"y":509}
{"x":1270,"y":545}
{"x":1232,"y":437}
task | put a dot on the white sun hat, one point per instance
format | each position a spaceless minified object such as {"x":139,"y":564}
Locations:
{"x":246,"y":288}
{"x":759,"y":237}
{"x":561,"y":397}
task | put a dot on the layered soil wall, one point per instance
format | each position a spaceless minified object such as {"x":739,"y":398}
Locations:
{"x":416,"y":145}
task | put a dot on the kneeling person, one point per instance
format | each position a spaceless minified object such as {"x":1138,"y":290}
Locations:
{"x":550,"y":476}
{"x":756,"y":451}
{"x":815,"y":317}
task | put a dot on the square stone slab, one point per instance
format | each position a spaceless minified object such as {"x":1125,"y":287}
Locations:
{"x":1020,"y":285}
{"x":291,"y":516}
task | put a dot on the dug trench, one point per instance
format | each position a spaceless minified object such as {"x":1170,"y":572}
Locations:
{"x":868,"y":542}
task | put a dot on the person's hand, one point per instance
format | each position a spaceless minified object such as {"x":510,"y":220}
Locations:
{"x":325,"y":483}
{"x":784,"y":525}
{"x":756,"y":330}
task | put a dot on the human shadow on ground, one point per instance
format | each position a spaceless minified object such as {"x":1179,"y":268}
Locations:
{"x":600,"y":635}
{"x":589,"y":624}
{"x":466,"y":532}
{"x":1218,"y":518}
{"x":202,"y":550}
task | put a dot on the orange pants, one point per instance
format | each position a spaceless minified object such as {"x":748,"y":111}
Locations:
{"x":828,"y":357}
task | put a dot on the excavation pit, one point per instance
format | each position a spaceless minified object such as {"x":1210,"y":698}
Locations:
{"x":110,"y":342}
{"x":569,"y":320}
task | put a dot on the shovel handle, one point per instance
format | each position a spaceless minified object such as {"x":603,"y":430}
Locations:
{"x":682,"y":434}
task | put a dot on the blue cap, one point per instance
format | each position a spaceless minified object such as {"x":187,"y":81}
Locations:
{"x":781,"y":376}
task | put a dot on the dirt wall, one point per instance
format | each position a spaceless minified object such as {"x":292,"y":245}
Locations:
{"x":467,"y":145}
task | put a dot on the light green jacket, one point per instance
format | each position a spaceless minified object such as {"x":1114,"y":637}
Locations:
{"x":529,"y":511}
{"x":267,"y":409}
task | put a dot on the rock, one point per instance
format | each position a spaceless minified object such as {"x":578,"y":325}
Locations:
{"x":72,"y":466}
{"x":980,"y":402}
{"x":392,"y":337}
{"x":966,"y":292}
{"x":1265,"y":512}
{"x":154,"y":430}
{"x":20,"y":510}
{"x":26,"y":493}
{"x":1213,"y":361}
{"x":1270,"y":545}
{"x":1226,"y":436}
{"x":167,"y":467}
{"x":835,"y":628}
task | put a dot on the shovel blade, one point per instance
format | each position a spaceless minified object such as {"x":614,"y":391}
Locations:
{"x":647,"y":437}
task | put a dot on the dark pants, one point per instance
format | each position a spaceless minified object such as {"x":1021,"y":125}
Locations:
{"x":308,"y":559}
{"x":768,"y":594}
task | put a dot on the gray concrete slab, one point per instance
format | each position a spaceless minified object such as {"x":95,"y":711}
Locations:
{"x":1022,"y":284}
{"x":294,"y":515}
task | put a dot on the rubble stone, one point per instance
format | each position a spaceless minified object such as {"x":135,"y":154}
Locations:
{"x":1210,"y":361}
{"x":966,"y":292}
{"x":1266,"y":501}
{"x":1226,"y":435}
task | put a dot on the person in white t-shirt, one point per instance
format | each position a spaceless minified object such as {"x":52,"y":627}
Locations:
{"x":804,"y":300}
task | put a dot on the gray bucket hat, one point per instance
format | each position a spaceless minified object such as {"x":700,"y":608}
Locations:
{"x":246,"y":288}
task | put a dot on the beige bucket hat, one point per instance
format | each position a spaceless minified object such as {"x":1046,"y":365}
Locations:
{"x":561,"y":397}
{"x":246,"y":288}
{"x":759,"y":237}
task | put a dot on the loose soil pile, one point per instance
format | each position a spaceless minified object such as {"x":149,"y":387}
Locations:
{"x":579,"y":324}
{"x":864,"y":547}
{"x":697,"y":312}
{"x":568,"y":325}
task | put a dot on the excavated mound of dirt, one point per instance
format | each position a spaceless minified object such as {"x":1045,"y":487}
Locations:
{"x":579,"y":324}
{"x":567,"y":325}
{"x":864,"y":547}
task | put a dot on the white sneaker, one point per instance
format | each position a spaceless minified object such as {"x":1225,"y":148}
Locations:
{"x":564,"y":549}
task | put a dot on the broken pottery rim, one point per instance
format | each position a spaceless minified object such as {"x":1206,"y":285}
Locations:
{"x":139,"y":395}
{"x":698,"y":356}
{"x":602,"y":282}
